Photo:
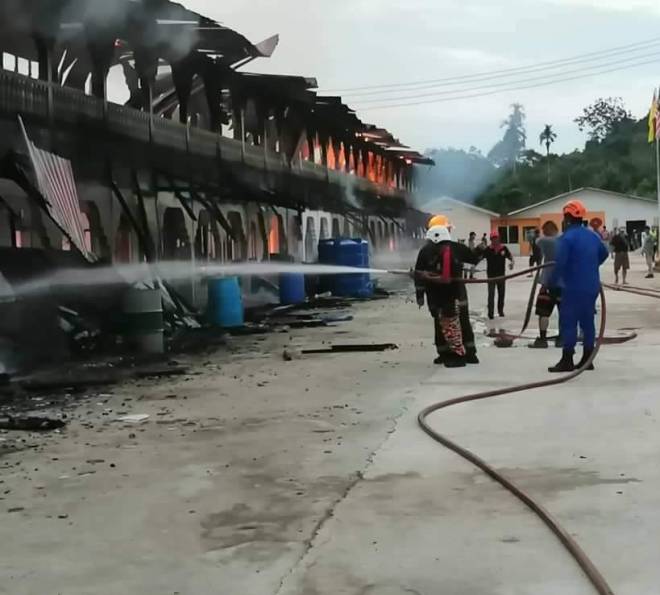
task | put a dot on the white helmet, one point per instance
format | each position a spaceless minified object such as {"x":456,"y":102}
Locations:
{"x":438,"y":233}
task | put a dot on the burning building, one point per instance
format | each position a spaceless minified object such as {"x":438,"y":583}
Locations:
{"x":205,"y":162}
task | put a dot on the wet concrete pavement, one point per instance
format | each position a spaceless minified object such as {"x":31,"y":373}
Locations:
{"x":310,"y":477}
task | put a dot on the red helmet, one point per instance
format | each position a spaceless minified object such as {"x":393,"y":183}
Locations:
{"x":575,"y":209}
{"x":494,"y":235}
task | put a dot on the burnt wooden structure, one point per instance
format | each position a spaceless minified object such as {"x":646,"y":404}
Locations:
{"x":196,"y":133}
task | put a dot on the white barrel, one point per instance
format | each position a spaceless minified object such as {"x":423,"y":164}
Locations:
{"x":143,"y":320}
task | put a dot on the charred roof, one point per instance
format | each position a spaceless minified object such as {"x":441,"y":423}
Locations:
{"x":171,"y":33}
{"x":166,"y":27}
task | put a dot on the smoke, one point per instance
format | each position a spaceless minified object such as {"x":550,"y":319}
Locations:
{"x":159,"y":25}
{"x":348,"y":183}
{"x":99,"y":13}
{"x":462,"y":175}
{"x":16,"y":13}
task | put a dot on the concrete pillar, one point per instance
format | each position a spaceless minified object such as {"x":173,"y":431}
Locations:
{"x":101,"y":49}
{"x":183,"y":72}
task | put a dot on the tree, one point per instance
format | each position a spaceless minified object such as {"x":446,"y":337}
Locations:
{"x":602,"y":117}
{"x":547,"y":137}
{"x":620,"y":161}
{"x":506,"y":152}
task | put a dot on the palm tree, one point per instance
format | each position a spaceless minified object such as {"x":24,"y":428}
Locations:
{"x":547,"y":137}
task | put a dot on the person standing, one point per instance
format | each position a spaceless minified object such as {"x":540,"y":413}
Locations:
{"x":548,"y":297}
{"x":580,"y":253}
{"x":534,"y":255}
{"x":496,"y":256}
{"x":439,"y":264}
{"x":605,"y":236}
{"x":621,"y":258}
{"x":648,"y":250}
{"x":472,"y":245}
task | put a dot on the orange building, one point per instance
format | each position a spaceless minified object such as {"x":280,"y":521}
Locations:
{"x":605,"y":209}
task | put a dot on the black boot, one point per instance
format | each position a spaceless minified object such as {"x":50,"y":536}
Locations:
{"x":539,"y":343}
{"x":439,"y":360}
{"x":471,"y":357}
{"x":455,"y":361}
{"x":586,"y":354}
{"x":565,"y":363}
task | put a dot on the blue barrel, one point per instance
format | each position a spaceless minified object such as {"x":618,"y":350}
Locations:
{"x":292,"y":288}
{"x":349,"y":253}
{"x":225,"y":307}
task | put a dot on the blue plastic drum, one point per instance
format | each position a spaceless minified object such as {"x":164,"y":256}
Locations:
{"x":225,"y":307}
{"x":292,"y":288}
{"x":349,"y":253}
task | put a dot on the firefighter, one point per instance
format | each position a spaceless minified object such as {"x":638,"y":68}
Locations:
{"x":463,"y":300}
{"x":441,"y":259}
{"x":580,"y":252}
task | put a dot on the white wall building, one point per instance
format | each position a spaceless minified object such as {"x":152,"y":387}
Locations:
{"x":611,"y":209}
{"x":619,"y":209}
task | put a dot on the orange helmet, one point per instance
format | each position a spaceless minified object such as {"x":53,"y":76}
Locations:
{"x":438,"y":220}
{"x":575,"y":209}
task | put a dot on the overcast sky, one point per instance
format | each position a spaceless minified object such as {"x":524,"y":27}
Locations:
{"x":351,"y":43}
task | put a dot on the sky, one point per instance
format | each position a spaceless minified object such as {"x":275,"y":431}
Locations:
{"x":357,"y":43}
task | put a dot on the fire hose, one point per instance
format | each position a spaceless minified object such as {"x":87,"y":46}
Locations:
{"x":590,"y":570}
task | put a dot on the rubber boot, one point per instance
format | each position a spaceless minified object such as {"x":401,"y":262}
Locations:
{"x":539,"y":343}
{"x":585,"y":356}
{"x":439,"y":360}
{"x":455,"y":361}
{"x":471,"y":357}
{"x":565,"y":363}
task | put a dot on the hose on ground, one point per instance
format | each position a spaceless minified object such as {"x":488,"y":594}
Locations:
{"x":590,"y":570}
{"x":643,"y":291}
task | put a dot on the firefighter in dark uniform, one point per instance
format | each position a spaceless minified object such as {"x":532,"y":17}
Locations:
{"x":439,"y":263}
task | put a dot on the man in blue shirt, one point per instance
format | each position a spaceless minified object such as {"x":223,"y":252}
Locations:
{"x":580,"y":252}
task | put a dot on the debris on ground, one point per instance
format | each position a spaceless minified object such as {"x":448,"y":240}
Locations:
{"x":31,"y":424}
{"x":136,"y":418}
{"x":357,"y":348}
{"x":68,"y":384}
{"x":161,"y":372}
{"x":503,"y":341}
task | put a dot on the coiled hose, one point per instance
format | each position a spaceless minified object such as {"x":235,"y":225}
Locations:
{"x":592,"y":573}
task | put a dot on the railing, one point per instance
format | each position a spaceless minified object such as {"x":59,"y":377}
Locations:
{"x":70,"y":107}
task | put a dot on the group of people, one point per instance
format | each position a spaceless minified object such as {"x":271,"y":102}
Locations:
{"x":572,"y":284}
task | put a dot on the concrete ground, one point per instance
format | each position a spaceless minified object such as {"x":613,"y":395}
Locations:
{"x":310,"y":477}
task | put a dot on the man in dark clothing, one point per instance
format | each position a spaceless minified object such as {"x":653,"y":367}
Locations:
{"x":621,"y":258}
{"x":496,"y":256}
{"x":534,"y":251}
{"x":439,"y":261}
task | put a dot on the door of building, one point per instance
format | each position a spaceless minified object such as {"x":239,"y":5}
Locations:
{"x":634,"y":230}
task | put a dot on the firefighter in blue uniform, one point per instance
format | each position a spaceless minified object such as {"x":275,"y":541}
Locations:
{"x":580,"y":252}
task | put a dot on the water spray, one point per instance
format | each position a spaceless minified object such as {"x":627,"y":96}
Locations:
{"x":111,"y":275}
